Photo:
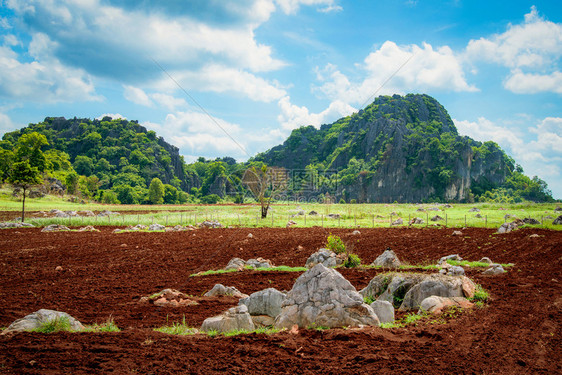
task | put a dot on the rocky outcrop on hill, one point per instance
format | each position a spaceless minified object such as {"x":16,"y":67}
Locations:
{"x":407,"y":146}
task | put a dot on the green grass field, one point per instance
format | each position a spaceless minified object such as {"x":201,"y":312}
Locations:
{"x":248,"y":215}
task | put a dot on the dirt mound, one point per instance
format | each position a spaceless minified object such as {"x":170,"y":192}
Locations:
{"x":104,"y":275}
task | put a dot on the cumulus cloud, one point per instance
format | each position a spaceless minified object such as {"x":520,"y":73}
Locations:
{"x":136,"y":95}
{"x":531,"y":50}
{"x":402,"y":68}
{"x":6,"y":123}
{"x":530,"y":83}
{"x":112,"y":115}
{"x":293,"y":116}
{"x":42,"y":79}
{"x":221,"y":79}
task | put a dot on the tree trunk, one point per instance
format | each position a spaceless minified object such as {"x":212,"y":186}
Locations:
{"x":264,"y":211}
{"x":23,"y":207}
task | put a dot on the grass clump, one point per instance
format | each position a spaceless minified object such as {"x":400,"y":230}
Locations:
{"x":481,"y":295}
{"x":59,"y":324}
{"x":108,"y":326}
{"x":409,"y":319}
{"x":176,"y":328}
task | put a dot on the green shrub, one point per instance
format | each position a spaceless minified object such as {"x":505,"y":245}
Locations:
{"x":335,"y":244}
{"x":352,"y":261}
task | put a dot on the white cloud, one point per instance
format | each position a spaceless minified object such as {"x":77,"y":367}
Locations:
{"x":535,"y":43}
{"x":292,"y":6}
{"x":293,"y":116}
{"x":6,"y":123}
{"x":44,"y":79}
{"x":407,"y":68}
{"x":169,"y":102}
{"x":531,"y":50}
{"x":112,"y":115}
{"x":529,"y":83}
{"x":485,"y":130}
{"x":136,"y":95}
{"x":221,"y":79}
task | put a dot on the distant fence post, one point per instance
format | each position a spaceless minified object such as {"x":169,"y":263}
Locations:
{"x":486,"y":221}
{"x":426,"y":219}
{"x":465,"y":221}
{"x":445,"y":220}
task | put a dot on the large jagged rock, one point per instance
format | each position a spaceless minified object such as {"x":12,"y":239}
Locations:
{"x":221,"y":290}
{"x":407,"y":290}
{"x":436,"y":305}
{"x":558,"y":220}
{"x":324,"y":256}
{"x":398,"y":221}
{"x":264,"y":302}
{"x":384,"y":311}
{"x":323,"y":297}
{"x":387,"y":259}
{"x":39,"y":318}
{"x":531,"y":221}
{"x":233,"y":319}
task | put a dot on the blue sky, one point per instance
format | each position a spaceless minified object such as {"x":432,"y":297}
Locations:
{"x":261,"y":68}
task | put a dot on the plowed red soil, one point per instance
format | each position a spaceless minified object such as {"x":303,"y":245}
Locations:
{"x":105,"y":274}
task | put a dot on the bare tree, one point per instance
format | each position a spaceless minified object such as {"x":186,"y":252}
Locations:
{"x":265,"y":183}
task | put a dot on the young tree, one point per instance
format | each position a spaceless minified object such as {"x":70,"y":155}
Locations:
{"x":264,"y":183}
{"x":24,"y":176}
{"x":156,"y":191}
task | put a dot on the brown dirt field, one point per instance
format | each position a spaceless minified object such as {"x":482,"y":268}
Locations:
{"x":105,"y":274}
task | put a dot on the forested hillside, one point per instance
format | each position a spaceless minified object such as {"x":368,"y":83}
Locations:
{"x":399,"y":148}
{"x":405,"y":149}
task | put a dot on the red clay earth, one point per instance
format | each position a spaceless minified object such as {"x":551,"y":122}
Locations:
{"x":105,"y":274}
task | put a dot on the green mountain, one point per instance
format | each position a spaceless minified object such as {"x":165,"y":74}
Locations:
{"x":399,"y":148}
{"x":109,"y":152}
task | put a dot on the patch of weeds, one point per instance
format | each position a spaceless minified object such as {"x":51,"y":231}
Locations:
{"x":212,"y":333}
{"x":335,"y":244}
{"x":352,"y":261}
{"x":55,"y":325}
{"x":399,"y":295}
{"x":250,"y":268}
{"x":317,"y":327}
{"x":466,"y":263}
{"x":411,"y":318}
{"x":212,"y":272}
{"x":480,"y":295}
{"x":177,"y":328}
{"x":368,"y":300}
{"x":108,"y":326}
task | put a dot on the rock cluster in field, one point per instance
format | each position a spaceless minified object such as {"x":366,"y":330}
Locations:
{"x":240,"y":264}
{"x":558,"y":220}
{"x":407,"y":291}
{"x":323,"y":297}
{"x":10,"y":224}
{"x":325,"y":257}
{"x":55,"y":228}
